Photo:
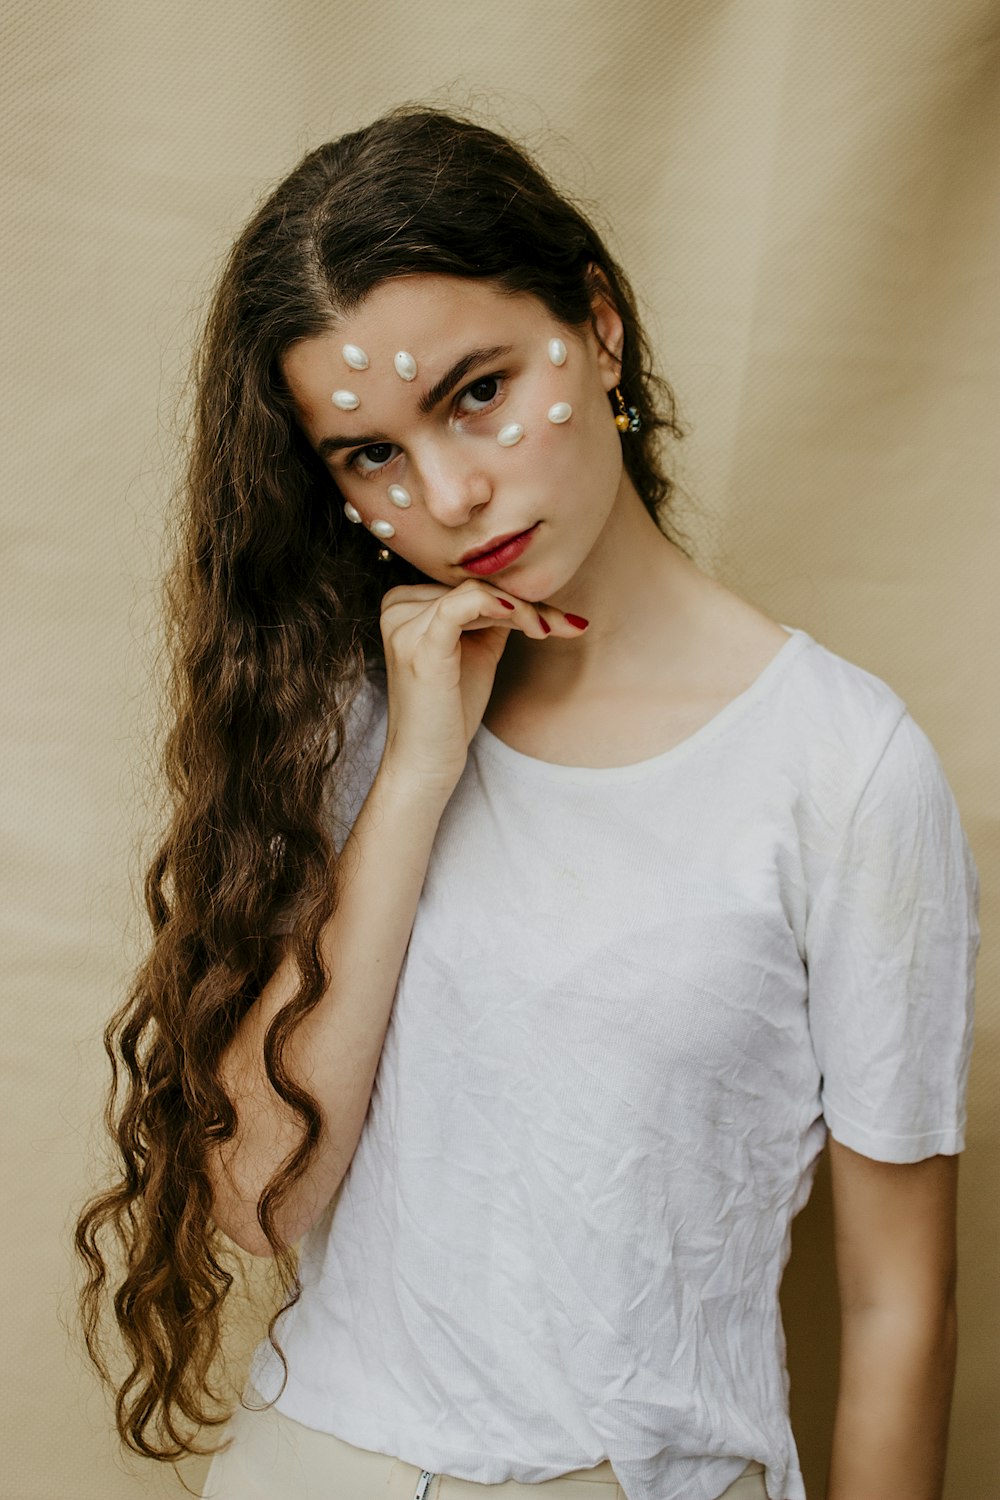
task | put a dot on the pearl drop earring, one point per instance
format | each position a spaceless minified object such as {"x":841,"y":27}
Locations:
{"x":627,"y":418}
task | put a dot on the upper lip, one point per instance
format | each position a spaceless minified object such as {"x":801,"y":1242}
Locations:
{"x":492,"y":546}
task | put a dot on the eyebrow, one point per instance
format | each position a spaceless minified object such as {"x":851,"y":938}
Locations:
{"x":458,"y":372}
{"x":428,"y":401}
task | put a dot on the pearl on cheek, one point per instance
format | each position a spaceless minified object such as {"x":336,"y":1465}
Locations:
{"x":560,"y":412}
{"x":509,"y":435}
{"x":557,"y":351}
{"x":383,"y":528}
{"x":355,"y":357}
{"x":399,"y":496}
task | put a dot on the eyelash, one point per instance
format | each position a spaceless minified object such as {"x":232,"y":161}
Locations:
{"x":498,"y":376}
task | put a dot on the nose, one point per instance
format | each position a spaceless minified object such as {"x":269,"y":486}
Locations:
{"x":453,"y":482}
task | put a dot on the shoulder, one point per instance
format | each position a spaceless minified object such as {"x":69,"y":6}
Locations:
{"x":837,"y":721}
{"x":851,"y":705}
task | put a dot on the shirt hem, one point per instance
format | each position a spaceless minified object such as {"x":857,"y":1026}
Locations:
{"x":300,"y":1403}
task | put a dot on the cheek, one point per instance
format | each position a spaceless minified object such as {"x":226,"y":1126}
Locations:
{"x":583,"y":452}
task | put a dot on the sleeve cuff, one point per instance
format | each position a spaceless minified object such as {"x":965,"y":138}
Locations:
{"x":883,"y":1145}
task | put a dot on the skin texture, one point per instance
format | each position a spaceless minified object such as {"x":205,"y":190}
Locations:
{"x":598,"y":552}
{"x":466,"y":487}
{"x":661,"y":633}
{"x":895,"y":1241}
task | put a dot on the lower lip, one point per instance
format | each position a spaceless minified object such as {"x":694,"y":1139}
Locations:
{"x":492,"y":562}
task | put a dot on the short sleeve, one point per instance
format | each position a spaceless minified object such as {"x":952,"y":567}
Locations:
{"x":891,"y":946}
{"x":351,"y":776}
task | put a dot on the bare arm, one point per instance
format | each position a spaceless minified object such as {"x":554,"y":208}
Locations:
{"x":336,"y":1048}
{"x":442,"y":646}
{"x":896,"y":1268}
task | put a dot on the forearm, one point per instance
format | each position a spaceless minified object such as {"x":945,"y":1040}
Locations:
{"x":336,"y":1049}
{"x":897,"y":1370}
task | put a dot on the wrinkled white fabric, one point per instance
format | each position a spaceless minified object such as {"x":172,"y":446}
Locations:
{"x":634,"y":1001}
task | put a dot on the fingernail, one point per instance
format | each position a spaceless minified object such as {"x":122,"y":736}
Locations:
{"x":506,"y":604}
{"x":578,"y":621}
{"x":545,"y":624}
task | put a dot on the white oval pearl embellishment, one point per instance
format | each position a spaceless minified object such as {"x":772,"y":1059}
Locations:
{"x":406,"y":365}
{"x":399,"y":496}
{"x":511,"y":434}
{"x":355,"y":357}
{"x":383,"y":528}
{"x":346,"y":400}
{"x":350,"y":512}
{"x":561,"y":412}
{"x":557,"y":351}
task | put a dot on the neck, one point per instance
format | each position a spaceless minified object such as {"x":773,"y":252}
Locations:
{"x":642,"y":596}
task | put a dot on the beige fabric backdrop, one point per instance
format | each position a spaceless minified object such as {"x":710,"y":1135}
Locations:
{"x":806,"y":197}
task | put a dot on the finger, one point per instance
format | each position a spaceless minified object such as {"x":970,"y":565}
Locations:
{"x":417,"y":593}
{"x":465,"y":610}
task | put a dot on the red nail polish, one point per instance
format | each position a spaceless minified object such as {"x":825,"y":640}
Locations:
{"x":506,"y":604}
{"x":578,"y":621}
{"x":545,"y":625}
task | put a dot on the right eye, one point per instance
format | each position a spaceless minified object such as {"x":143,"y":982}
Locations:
{"x":369,"y":460}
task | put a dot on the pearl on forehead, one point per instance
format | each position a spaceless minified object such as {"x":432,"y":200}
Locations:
{"x":406,"y":365}
{"x":346,"y":400}
{"x":350,"y":512}
{"x":509,"y":435}
{"x":399,"y":496}
{"x":557,"y":351}
{"x":561,"y":412}
{"x":383,"y":528}
{"x":355,"y":357}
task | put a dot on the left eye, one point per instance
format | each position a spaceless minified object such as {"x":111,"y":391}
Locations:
{"x":480,"y":394}
{"x":374,"y":457}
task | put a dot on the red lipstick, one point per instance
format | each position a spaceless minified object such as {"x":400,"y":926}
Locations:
{"x":502,"y":552}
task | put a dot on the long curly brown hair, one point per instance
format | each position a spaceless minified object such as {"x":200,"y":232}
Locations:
{"x":272,"y":602}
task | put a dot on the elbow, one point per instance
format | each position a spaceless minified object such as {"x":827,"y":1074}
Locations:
{"x":246,"y":1237}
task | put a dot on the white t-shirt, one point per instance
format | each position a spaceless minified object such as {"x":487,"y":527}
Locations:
{"x":634,"y":1000}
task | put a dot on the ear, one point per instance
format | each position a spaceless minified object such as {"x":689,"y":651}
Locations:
{"x":607,"y":328}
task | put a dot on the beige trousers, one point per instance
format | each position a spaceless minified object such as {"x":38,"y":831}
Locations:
{"x":272,"y":1457}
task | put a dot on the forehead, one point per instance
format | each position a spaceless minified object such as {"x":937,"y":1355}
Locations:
{"x":429,"y":306}
{"x":435,"y":319}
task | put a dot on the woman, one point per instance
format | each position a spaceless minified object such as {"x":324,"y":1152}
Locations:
{"x":517,"y":955}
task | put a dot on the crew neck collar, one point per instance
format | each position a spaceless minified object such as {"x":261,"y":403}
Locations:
{"x":491,"y":745}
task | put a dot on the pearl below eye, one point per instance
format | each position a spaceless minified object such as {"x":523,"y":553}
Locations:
{"x":350,"y":512}
{"x":509,"y":435}
{"x":399,"y":496}
{"x":561,"y":412}
{"x":383,"y":528}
